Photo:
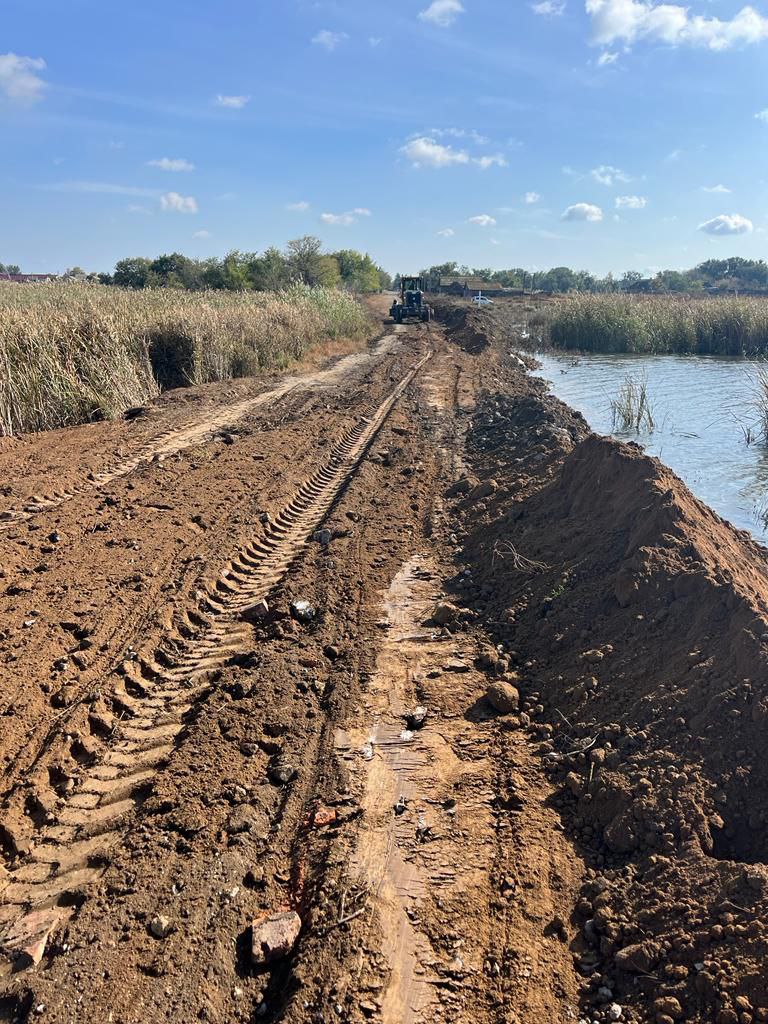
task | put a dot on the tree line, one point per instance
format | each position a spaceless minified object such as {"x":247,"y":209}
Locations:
{"x":729,"y":275}
{"x":302,"y":260}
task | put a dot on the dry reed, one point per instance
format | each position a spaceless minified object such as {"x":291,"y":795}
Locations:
{"x":71,"y":353}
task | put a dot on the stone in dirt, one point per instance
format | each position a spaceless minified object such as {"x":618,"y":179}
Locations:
{"x":462,"y":486}
{"x":302,"y":611}
{"x":668,"y":1006}
{"x":274,"y":936}
{"x":282,"y":773}
{"x":503,"y":697}
{"x":484,"y":490}
{"x":323,"y":816}
{"x":415,"y":719}
{"x":640,"y":958}
{"x":160,"y":927}
{"x":28,"y":937}
{"x":444,"y":612}
{"x":257,"y":610}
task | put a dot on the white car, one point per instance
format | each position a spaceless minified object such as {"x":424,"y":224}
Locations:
{"x":482,"y":300}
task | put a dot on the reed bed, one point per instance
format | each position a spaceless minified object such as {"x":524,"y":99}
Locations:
{"x":660,"y":324}
{"x":72,"y":353}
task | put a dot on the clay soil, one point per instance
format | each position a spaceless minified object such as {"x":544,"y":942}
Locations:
{"x":249,"y":768}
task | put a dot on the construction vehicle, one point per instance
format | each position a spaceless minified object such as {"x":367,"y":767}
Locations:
{"x":411,"y":304}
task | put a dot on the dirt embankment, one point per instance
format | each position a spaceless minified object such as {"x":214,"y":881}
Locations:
{"x":639,"y":620}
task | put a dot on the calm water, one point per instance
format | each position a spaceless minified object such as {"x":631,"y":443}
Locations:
{"x":701,"y":407}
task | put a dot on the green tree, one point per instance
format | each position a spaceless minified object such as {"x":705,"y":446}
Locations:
{"x":270,"y":272}
{"x":133,"y":273}
{"x":358,"y":272}
{"x":304,"y":257}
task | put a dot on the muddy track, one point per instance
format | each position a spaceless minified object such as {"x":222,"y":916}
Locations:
{"x":155,"y":695}
{"x":176,"y":439}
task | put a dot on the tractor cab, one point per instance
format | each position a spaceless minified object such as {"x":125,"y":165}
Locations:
{"x":411,"y":304}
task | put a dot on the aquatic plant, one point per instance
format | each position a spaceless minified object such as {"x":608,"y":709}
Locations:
{"x":632,"y":408}
{"x":660,"y":324}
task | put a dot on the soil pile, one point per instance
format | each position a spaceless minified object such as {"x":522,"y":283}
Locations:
{"x":639,"y":619}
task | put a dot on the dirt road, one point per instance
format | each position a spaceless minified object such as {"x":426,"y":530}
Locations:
{"x":251,"y":765}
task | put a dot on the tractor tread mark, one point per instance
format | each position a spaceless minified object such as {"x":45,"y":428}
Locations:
{"x":73,"y":850}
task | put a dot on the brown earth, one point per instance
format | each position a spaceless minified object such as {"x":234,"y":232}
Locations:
{"x":188,"y":750}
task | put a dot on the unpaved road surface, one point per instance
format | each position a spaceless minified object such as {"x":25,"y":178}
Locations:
{"x":380,"y":691}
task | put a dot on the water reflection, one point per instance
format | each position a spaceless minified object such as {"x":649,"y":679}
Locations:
{"x":706,"y":422}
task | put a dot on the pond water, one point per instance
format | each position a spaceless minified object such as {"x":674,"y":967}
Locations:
{"x":702,"y":407}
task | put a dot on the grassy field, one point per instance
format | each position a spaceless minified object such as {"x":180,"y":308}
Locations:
{"x":623,"y":323}
{"x":71,"y":353}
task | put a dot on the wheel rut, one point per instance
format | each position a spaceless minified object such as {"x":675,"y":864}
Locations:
{"x":170,"y":442}
{"x":153,"y":698}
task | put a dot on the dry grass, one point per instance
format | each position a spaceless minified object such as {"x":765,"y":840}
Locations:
{"x":72,"y":353}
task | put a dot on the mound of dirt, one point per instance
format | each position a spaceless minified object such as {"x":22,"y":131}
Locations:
{"x":639,"y":619}
{"x":465,"y":325}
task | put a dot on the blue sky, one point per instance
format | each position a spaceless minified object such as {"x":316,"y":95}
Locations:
{"x":601,"y":134}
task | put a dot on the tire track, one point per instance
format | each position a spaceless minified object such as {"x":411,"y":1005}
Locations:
{"x":155,"y":694}
{"x":177,"y":439}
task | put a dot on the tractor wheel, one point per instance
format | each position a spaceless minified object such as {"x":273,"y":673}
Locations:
{"x":399,"y":315}
{"x":426,"y":316}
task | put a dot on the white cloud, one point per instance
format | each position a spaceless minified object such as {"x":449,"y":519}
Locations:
{"x":627,"y":21}
{"x":442,"y":12}
{"x":135,"y":208}
{"x":762,"y":116}
{"x":716,"y":188}
{"x":18,"y":78}
{"x":299,"y":207}
{"x":483,"y":221}
{"x":374,"y":41}
{"x":606,"y":58}
{"x":484,"y":162}
{"x":329,"y":40}
{"x":446,"y":233}
{"x":202,"y":234}
{"x":345,"y":219}
{"x":461,"y":133}
{"x":631,"y":202}
{"x":549,"y":8}
{"x":176,"y":203}
{"x":607,"y":175}
{"x":167,"y":164}
{"x":426,"y":152}
{"x":727,"y":224}
{"x":583,"y":211}
{"x":232,"y":102}
{"x":532,"y":198}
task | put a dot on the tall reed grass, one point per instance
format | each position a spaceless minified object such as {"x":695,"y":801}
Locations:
{"x":659,"y":324}
{"x":71,"y":353}
{"x":632,"y":408}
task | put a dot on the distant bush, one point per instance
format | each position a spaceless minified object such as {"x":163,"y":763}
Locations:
{"x":70,"y":353}
{"x":623,"y":323}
